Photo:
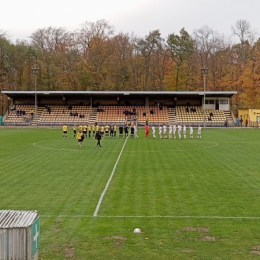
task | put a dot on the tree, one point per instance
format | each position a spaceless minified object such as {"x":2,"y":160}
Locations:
{"x":181,"y":48}
{"x":247,"y":36}
{"x":147,"y":49}
{"x":242,"y":29}
{"x":207,"y":43}
{"x":93,"y":43}
{"x":120,"y":62}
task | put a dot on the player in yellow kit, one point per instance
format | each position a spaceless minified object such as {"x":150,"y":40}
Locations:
{"x":115,"y":128}
{"x":107,"y":130}
{"x":84,"y":130}
{"x":93,"y":130}
{"x":80,"y":138}
{"x":80,"y":127}
{"x":102,"y":129}
{"x":65,"y":130}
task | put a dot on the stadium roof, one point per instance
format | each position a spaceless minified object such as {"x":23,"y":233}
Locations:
{"x":81,"y":94}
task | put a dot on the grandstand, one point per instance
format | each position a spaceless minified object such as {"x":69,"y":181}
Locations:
{"x":118,"y":108}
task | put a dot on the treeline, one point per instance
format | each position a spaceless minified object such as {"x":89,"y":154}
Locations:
{"x":94,"y":57}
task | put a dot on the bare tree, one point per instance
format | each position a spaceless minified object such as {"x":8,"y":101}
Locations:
{"x":242,"y":29}
{"x":247,"y":36}
{"x":3,"y":35}
{"x":91,"y":34}
{"x":207,"y":41}
{"x":52,"y":39}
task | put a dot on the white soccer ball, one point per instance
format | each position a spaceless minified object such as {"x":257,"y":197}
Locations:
{"x":137,"y":230}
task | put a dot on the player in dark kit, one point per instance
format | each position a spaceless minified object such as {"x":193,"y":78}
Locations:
{"x":74,"y":130}
{"x":132,"y":131}
{"x":126,"y":131}
{"x":121,"y":130}
{"x":111,"y":131}
{"x":98,"y":137}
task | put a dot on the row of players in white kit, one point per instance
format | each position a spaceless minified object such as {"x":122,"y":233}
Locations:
{"x":172,"y":131}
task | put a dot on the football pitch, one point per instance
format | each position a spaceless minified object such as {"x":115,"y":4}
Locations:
{"x":191,"y":198}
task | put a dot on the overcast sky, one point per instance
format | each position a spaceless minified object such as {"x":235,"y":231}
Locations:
{"x":20,"y":18}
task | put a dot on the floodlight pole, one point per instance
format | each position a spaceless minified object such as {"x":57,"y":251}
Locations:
{"x":35,"y":71}
{"x":2,"y":75}
{"x":205,"y":73}
{"x":2,"y":107}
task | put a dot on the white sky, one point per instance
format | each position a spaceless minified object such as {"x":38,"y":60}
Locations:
{"x":20,"y":18}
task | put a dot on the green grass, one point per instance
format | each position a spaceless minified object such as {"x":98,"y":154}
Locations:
{"x":192,"y":199}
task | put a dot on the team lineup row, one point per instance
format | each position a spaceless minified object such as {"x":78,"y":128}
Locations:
{"x":172,"y":131}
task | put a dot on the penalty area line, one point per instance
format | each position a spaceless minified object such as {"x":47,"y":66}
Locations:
{"x":169,"y":217}
{"x":109,"y":180}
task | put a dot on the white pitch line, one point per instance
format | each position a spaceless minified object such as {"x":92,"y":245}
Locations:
{"x":55,"y":149}
{"x":152,"y":151}
{"x":181,"y":150}
{"x":109,"y":180}
{"x":173,"y":217}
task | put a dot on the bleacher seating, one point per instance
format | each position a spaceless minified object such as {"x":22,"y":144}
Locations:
{"x":49,"y":115}
{"x":81,"y":114}
{"x":60,"y":114}
{"x":195,"y":114}
{"x":20,"y":115}
{"x":119,"y":114}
